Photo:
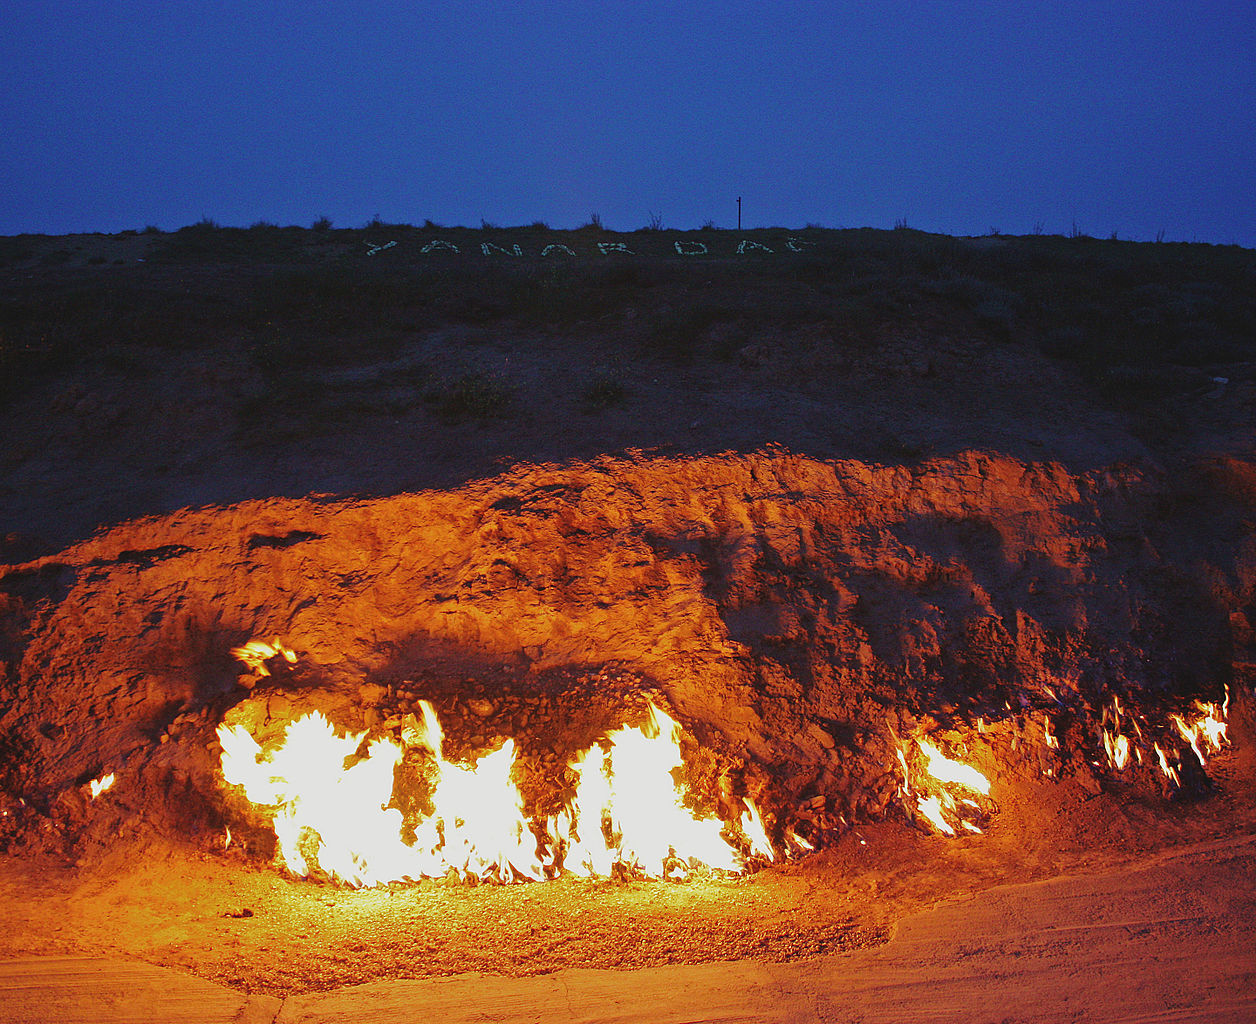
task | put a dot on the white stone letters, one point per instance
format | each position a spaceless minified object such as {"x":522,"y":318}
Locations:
{"x":682,"y":247}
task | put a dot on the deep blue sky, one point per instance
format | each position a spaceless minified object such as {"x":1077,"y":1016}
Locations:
{"x":1133,"y":117}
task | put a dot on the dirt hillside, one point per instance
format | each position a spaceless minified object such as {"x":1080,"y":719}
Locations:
{"x":997,"y":493}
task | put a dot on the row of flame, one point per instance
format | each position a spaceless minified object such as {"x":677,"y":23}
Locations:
{"x":1205,"y":735}
{"x":628,"y":812}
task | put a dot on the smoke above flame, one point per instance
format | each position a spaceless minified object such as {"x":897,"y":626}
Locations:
{"x":333,"y":808}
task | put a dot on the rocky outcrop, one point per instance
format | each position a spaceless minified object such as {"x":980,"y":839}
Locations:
{"x":795,"y":614}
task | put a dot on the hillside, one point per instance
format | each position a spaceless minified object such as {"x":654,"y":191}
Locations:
{"x":145,"y":371}
{"x":828,"y":498}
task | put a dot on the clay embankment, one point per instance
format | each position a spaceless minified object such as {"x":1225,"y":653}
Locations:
{"x":796,"y":615}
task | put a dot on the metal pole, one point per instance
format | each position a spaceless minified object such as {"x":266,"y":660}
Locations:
{"x":739,"y":213}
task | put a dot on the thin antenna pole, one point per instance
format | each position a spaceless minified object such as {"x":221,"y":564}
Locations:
{"x":739,"y":213}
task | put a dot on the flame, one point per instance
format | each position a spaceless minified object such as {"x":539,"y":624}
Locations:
{"x":1170,"y":773}
{"x":256,"y":653}
{"x":937,"y":804}
{"x":931,"y":808}
{"x":634,"y":814}
{"x":1115,"y":743}
{"x":944,"y":769}
{"x":1203,"y":729}
{"x":756,"y":834}
{"x":794,"y":839}
{"x":330,"y":802}
{"x":101,"y":785}
{"x":1207,"y":734}
{"x":1118,"y":749}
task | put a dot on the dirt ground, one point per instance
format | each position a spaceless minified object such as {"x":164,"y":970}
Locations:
{"x":806,"y":556}
{"x":251,"y":929}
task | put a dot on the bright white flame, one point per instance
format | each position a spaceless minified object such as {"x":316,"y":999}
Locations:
{"x":1116,"y":745}
{"x":256,"y":653}
{"x":755,"y":832}
{"x":931,"y":808}
{"x":588,"y":851}
{"x":326,"y":812}
{"x":944,"y":769}
{"x":1117,"y":748}
{"x":795,"y":839}
{"x":939,"y":806}
{"x":331,"y":810}
{"x":98,"y":786}
{"x":1207,"y":733}
{"x":630,"y":792}
{"x":1170,"y":773}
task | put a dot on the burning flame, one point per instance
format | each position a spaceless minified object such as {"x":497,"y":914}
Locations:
{"x":1207,"y":732}
{"x":1116,"y":745}
{"x":937,"y":804}
{"x":101,"y":785}
{"x":944,"y":769}
{"x":1118,"y":749}
{"x":1170,"y":773}
{"x":1204,"y":731}
{"x":256,"y":653}
{"x":629,"y":811}
{"x":331,"y":808}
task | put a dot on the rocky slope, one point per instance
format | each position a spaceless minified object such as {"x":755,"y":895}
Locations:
{"x":800,"y":617}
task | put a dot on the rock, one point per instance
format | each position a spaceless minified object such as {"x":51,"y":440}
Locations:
{"x":1087,"y":780}
{"x":372,"y":693}
{"x":480,"y":707}
{"x":825,"y":739}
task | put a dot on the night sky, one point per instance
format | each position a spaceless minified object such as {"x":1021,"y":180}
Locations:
{"x":1133,"y":118}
